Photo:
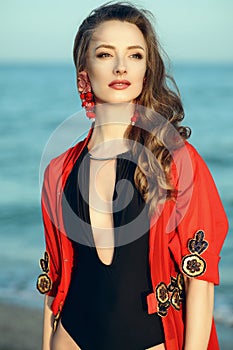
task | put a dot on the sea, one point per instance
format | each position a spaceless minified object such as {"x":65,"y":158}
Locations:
{"x":36,"y":102}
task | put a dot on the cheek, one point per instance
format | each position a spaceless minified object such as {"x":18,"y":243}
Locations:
{"x":97,"y":75}
{"x":98,"y":83}
{"x":140,"y":77}
{"x":141,"y":72}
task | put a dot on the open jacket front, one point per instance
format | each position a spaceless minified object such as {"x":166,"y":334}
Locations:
{"x":186,"y":236}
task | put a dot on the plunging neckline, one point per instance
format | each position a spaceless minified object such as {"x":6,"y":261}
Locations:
{"x":116,"y":166}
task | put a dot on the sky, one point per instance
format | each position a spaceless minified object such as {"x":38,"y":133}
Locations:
{"x":43,"y":31}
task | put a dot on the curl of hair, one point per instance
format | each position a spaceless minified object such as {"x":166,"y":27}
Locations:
{"x":157,"y":97}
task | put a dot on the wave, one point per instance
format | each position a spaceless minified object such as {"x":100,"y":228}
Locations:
{"x":30,"y":297}
{"x":224,"y":315}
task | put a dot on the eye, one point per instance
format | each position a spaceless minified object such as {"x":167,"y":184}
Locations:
{"x":103,"y":55}
{"x":137,"y":55}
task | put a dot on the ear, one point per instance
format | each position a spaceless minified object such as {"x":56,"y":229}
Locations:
{"x":84,"y":84}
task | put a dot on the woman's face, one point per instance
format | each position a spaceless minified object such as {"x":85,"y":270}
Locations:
{"x":116,"y":62}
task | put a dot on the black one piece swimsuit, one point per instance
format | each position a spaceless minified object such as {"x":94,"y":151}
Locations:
{"x":105,"y":308}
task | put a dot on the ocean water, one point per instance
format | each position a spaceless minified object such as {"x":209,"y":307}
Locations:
{"x":35,"y":99}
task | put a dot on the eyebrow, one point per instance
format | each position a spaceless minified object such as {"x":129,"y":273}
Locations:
{"x":113,"y":48}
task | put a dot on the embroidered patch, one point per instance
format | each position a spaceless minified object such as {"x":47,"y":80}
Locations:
{"x":44,"y":283}
{"x":175,"y":299}
{"x":194,"y":265}
{"x":198,"y":245}
{"x":162,"y":293}
{"x":173,"y":294}
{"x":163,"y":308}
{"x":180,"y":284}
{"x":44,"y":263}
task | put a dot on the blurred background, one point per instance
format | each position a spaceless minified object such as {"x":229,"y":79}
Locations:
{"x":38,"y":93}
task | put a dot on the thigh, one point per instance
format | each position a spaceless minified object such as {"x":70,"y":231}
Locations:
{"x":62,"y":340}
{"x":157,"y":347}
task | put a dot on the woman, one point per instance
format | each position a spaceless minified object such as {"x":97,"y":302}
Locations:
{"x":133,"y":221}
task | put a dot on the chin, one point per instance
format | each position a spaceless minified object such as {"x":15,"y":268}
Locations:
{"x":117,"y":99}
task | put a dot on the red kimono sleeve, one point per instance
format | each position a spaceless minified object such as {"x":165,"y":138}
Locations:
{"x":48,"y":281}
{"x":200,"y":220}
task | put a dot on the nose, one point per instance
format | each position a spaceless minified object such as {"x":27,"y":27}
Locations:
{"x":120,"y":68}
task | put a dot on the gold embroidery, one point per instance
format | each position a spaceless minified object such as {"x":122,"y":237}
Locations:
{"x":44,"y":263}
{"x":44,"y":283}
{"x":194,"y":265}
{"x":198,"y":244}
{"x":173,"y":294}
{"x":162,"y":293}
{"x":175,"y":299}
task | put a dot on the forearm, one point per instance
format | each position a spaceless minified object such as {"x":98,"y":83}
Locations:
{"x":199,"y":313}
{"x":48,"y":323}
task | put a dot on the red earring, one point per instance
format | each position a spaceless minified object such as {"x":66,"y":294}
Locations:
{"x":134,"y":118}
{"x":87,"y":97}
{"x":88,"y":104}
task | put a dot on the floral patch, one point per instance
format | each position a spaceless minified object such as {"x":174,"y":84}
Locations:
{"x":44,"y":283}
{"x":162,"y":293}
{"x":163,"y":308}
{"x":173,"y":294}
{"x":194,"y":265}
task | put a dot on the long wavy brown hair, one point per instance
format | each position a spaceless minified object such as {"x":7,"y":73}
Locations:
{"x":158,"y":128}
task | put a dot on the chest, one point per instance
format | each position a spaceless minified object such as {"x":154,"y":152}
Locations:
{"x":102,"y":178}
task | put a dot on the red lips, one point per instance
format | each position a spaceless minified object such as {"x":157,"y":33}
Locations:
{"x":119,"y":84}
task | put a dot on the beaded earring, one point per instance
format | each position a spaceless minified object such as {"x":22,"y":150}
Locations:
{"x":87,"y":97}
{"x":88,"y":104}
{"x":134,"y":118}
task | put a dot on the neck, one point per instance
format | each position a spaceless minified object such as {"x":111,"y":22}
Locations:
{"x":111,"y":122}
